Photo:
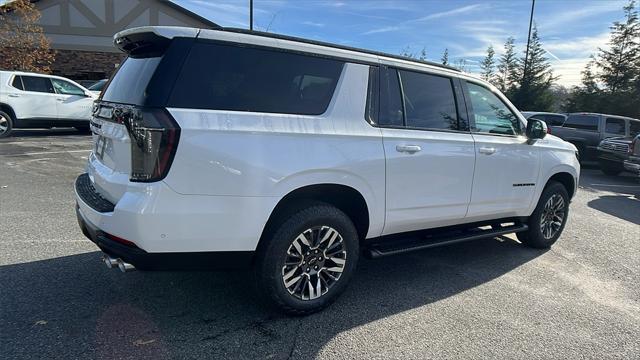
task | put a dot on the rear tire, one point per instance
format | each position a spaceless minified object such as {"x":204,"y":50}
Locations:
{"x":6,"y":124}
{"x":548,"y":219}
{"x":610,"y":168}
{"x":308,"y":260}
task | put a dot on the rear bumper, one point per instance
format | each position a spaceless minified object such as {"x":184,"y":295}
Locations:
{"x":163,"y":261}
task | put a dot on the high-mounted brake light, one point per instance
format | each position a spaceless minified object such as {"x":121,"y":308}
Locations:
{"x":154,"y":139}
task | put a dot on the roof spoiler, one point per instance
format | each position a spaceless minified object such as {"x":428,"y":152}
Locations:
{"x":150,"y":41}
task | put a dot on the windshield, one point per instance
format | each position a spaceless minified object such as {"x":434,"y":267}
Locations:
{"x":98,"y":86}
{"x":128,"y":85}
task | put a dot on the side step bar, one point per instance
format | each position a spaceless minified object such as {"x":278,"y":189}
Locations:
{"x":414,"y":243}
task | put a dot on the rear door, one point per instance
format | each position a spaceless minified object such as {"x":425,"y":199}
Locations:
{"x":429,"y":151}
{"x":72,"y":102}
{"x":506,"y":166}
{"x":35,"y":99}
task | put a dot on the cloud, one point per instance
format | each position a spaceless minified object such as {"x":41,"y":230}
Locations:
{"x":560,"y":20}
{"x":456,"y":11}
{"x":311,"y":23}
{"x":382,"y":30}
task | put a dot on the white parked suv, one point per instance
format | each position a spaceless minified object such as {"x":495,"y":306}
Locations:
{"x":29,"y":100}
{"x":224,"y":148}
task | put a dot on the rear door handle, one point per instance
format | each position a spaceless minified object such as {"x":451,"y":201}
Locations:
{"x":487,"y":150}
{"x":408,"y":148}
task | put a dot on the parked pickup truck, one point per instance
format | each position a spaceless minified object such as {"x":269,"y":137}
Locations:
{"x":632,"y":164}
{"x":587,"y":130}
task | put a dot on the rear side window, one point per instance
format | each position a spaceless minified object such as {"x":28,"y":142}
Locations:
{"x":37,"y":84}
{"x":227,"y":77}
{"x":17,"y":83}
{"x":614,"y":126}
{"x":129,"y":83}
{"x":583,"y":122}
{"x":429,"y":102}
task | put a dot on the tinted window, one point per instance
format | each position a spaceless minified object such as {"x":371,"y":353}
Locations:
{"x":584,"y":122}
{"x":634,"y":127}
{"x":391,"y":113}
{"x":226,"y":77}
{"x":17,"y":83}
{"x":373,"y":89}
{"x":66,"y":88}
{"x":490,"y":113}
{"x":552,"y":120}
{"x":429,"y":102}
{"x":129,"y":83}
{"x":38,"y":84}
{"x":615,"y":126}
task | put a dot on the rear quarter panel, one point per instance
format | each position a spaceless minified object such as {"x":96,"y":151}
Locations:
{"x":228,"y":153}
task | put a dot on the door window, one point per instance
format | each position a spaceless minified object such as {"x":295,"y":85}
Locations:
{"x":553,"y":120}
{"x":66,"y":88}
{"x":583,"y":122}
{"x":391,"y":112}
{"x":491,"y":114}
{"x":634,"y":127}
{"x":614,"y":126}
{"x":37,"y":84}
{"x":429,"y":102}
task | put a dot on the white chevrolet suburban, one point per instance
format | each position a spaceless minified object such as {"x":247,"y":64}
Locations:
{"x":29,"y":100}
{"x":228,"y":148}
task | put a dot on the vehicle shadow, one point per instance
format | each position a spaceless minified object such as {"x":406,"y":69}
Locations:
{"x":35,"y":133}
{"x":624,"y":207}
{"x":73,"y":307}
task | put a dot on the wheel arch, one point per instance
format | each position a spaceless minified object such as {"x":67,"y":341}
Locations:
{"x":566,"y":179}
{"x":343,"y":197}
{"x":9,"y":110}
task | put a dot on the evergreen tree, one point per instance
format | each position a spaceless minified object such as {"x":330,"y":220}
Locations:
{"x":619,"y":64}
{"x":507,"y":68}
{"x":487,"y":66}
{"x":445,"y":57}
{"x":585,"y":97}
{"x":537,"y":77}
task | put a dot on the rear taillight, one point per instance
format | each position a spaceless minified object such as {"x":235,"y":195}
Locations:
{"x":154,"y":139}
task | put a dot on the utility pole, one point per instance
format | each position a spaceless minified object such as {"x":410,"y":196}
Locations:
{"x":526,"y":53}
{"x":251,"y":16}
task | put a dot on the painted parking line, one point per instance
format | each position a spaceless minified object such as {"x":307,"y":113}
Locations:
{"x":48,"y":152}
{"x":614,"y":185}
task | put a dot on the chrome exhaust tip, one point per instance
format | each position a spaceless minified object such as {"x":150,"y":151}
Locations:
{"x":109,"y":261}
{"x":125,"y":267}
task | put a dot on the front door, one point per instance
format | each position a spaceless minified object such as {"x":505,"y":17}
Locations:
{"x":429,"y":155}
{"x":507,"y":167}
{"x":34,"y":98}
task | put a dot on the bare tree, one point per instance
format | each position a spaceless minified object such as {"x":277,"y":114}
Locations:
{"x":23,"y":44}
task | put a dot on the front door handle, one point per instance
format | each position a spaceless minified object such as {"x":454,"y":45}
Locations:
{"x":408,"y":148}
{"x":487,"y":150}
{"x":13,"y":95}
{"x":60,"y":99}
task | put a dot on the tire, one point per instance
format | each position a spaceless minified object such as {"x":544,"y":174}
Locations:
{"x":6,"y":124}
{"x":540,"y":237}
{"x":610,"y":168}
{"x":284,"y":279}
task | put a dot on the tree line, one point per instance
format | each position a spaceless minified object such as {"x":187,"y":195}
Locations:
{"x":610,"y":81}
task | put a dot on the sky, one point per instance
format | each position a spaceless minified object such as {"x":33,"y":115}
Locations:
{"x":570,"y":30}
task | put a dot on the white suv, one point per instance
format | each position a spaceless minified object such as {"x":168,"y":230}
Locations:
{"x":223,"y":148}
{"x":29,"y":100}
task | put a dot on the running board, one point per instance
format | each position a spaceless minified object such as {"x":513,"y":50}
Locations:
{"x":414,"y":243}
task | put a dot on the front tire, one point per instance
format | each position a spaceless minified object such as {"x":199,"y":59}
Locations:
{"x":548,"y":219}
{"x":610,"y":168}
{"x":308,"y":261}
{"x":6,"y":124}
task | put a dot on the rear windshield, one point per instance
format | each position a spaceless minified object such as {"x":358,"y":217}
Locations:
{"x":241,"y":78}
{"x":584,"y":122}
{"x":129,"y":83}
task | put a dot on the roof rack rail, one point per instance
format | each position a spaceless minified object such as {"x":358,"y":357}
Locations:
{"x":336,"y":46}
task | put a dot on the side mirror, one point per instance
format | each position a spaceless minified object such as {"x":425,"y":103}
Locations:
{"x":536,"y":129}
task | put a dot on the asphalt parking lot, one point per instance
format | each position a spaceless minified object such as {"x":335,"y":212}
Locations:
{"x":491,"y":298}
